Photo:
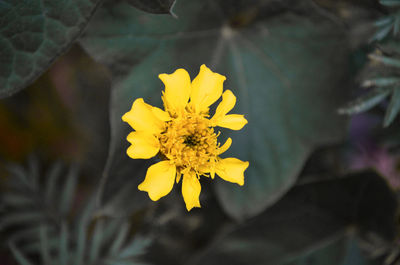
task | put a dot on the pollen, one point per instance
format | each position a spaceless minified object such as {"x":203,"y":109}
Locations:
{"x":190,"y":143}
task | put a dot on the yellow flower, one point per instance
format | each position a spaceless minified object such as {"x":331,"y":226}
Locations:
{"x":183,"y":135}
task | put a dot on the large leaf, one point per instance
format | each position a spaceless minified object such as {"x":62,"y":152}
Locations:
{"x":33,"y":34}
{"x":287,"y":72}
{"x":154,"y":6}
{"x":308,"y":217}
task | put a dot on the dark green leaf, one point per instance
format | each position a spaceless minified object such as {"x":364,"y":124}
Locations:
{"x":366,"y":101}
{"x":16,"y":200}
{"x":63,"y":245}
{"x":310,"y":214}
{"x":383,"y":21}
{"x":154,"y":6}
{"x":19,"y":173}
{"x":51,"y":182}
{"x":34,"y":34}
{"x":344,"y":251}
{"x":119,"y":240}
{"x":20,"y":218}
{"x":390,"y":2}
{"x":136,"y":247}
{"x":44,"y":245}
{"x":393,"y":108}
{"x":22,"y":260}
{"x":83,"y":223}
{"x":382,"y":32}
{"x":396,"y":25}
{"x":290,"y":107}
{"x":67,"y":196}
{"x":95,"y":243}
{"x":385,"y":60}
{"x":382,"y":81}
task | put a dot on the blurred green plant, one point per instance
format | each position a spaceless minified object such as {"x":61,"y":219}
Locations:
{"x":40,"y":220}
{"x":383,"y":82}
{"x":388,"y":24}
{"x":383,"y":70}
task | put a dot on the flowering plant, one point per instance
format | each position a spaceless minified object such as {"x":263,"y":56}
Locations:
{"x":184,"y":135}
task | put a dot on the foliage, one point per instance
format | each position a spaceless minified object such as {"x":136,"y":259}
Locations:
{"x":384,"y":78}
{"x":34,"y":34}
{"x":42,"y":212}
{"x":309,"y":215}
{"x":262,"y":70}
{"x":291,"y":64}
{"x":384,"y":82}
{"x":388,"y":24}
{"x":154,"y":6}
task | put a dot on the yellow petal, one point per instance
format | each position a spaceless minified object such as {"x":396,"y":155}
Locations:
{"x":225,"y":146}
{"x":226,"y":105}
{"x":177,"y":89}
{"x":144,"y":145}
{"x":160,"y":114}
{"x":141,"y":117}
{"x":206,"y":89}
{"x":232,"y":121}
{"x":159,"y":180}
{"x":231,"y":169}
{"x":191,"y":190}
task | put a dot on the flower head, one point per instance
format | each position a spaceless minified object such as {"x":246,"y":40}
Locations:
{"x":183,"y":135}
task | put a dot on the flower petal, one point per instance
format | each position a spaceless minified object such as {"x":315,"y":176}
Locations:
{"x":232,"y":121}
{"x":206,"y":89}
{"x":160,"y":114}
{"x":226,"y":105}
{"x":225,"y":146}
{"x":141,"y":117}
{"x":177,"y":90}
{"x":144,"y":145}
{"x":231,"y":169}
{"x":191,"y":190}
{"x":159,"y":180}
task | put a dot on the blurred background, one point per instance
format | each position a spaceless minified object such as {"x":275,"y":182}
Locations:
{"x":318,"y":80}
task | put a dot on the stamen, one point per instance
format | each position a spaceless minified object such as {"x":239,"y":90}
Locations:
{"x":190,"y":143}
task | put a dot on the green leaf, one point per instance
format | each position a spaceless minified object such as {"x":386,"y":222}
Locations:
{"x":63,"y":245}
{"x":308,"y":217}
{"x":51,"y":182}
{"x":34,"y":34}
{"x":382,"y":81}
{"x":119,"y":240}
{"x":44,"y":245}
{"x":154,"y":6}
{"x":383,"y":21}
{"x":366,"y":101}
{"x":82,"y":224}
{"x":396,"y":25}
{"x":393,"y":108}
{"x":385,"y":60}
{"x":20,"y":218}
{"x":96,"y":241}
{"x":390,"y":2}
{"x":382,"y":32}
{"x":18,"y":200}
{"x":286,"y":71}
{"x":68,"y":193}
{"x":344,"y":251}
{"x":136,"y":247}
{"x":21,"y":259}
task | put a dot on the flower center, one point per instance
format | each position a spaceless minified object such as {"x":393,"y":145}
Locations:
{"x":190,"y":143}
